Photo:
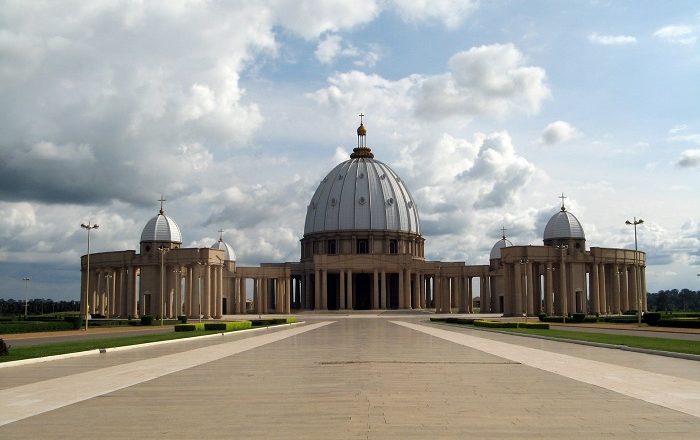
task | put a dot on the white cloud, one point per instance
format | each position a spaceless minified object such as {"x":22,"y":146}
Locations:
{"x":449,"y":12}
{"x":611,"y":40}
{"x":332,"y":47}
{"x":558,"y":131}
{"x":689,"y":159}
{"x":486,"y":80}
{"x":678,"y":33}
{"x":483,"y":80}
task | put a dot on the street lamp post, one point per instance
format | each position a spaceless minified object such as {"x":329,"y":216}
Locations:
{"x":162,"y":251}
{"x":88,"y":227}
{"x":26,"y":288}
{"x":638,"y":297}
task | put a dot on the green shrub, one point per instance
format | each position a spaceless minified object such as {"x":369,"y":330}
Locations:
{"x":495,"y":324}
{"x":227,"y":326}
{"x":578,"y":317}
{"x":291,"y":319}
{"x":537,"y":325}
{"x":4,"y":348}
{"x":33,"y":326}
{"x":147,"y":320}
{"x":542,"y":317}
{"x":680,"y":322}
{"x":76,"y":321}
{"x":437,"y":319}
{"x":621,"y":319}
{"x":182,"y":319}
{"x":651,"y":318}
{"x":185,"y":327}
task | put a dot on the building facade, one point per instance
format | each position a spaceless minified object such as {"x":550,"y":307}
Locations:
{"x":362,"y":249}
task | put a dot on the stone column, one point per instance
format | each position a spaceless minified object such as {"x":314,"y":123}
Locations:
{"x":563,"y":293}
{"x":317,"y":289}
{"x":257,"y":301}
{"x":244,"y":295}
{"x":287,"y":296}
{"x":626,"y":296}
{"x":634,"y":294}
{"x":616,"y":289}
{"x":342,"y":290}
{"x":402,"y":304}
{"x":206,"y":294}
{"x":415,"y":292}
{"x":437,"y":293}
{"x":530,"y":286}
{"x":421,"y":283}
{"x":518,"y":294}
{"x":407,"y":289}
{"x":309,"y":296}
{"x":594,"y":286}
{"x":548,"y":290}
{"x":324,"y":289}
{"x":602,"y":292}
{"x":382,"y":290}
{"x":220,"y":294}
{"x":375,"y":290}
{"x":131,"y":292}
{"x":351,"y":297}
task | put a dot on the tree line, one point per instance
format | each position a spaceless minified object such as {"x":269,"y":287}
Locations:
{"x":37,"y":306}
{"x":684,"y":300}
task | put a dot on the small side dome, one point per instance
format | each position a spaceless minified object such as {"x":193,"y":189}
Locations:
{"x":161,"y":228}
{"x":563,"y":226}
{"x":229,"y":254}
{"x":496,"y":249}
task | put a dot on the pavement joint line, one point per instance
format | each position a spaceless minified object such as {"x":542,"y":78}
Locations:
{"x":660,"y":389}
{"x":25,"y":401}
{"x":58,"y":357}
{"x":672,"y":354}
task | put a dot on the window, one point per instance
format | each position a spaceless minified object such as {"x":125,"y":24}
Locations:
{"x":331,"y":247}
{"x":393,"y":247}
{"x":362,"y":246}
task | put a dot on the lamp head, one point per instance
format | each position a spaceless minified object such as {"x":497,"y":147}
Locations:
{"x":627,"y":222}
{"x":640,"y":221}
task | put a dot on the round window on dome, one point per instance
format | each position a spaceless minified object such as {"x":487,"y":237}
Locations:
{"x":383,"y":176}
{"x":340,"y":177}
{"x":390,"y":201}
{"x":361,"y":200}
{"x":361,"y":176}
{"x":334,"y":201}
{"x":409,"y":204}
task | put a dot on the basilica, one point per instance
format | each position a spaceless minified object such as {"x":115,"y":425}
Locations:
{"x":362,"y":249}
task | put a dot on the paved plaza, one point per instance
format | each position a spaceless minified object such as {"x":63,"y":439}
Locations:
{"x":355,"y":377}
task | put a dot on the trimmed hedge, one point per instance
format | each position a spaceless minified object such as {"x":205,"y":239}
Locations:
{"x":34,"y":326}
{"x":651,"y":318}
{"x":182,"y":319}
{"x":569,"y":319}
{"x":228,"y":326}
{"x":495,"y":324}
{"x":510,"y":324}
{"x":147,"y":320}
{"x":463,"y":321}
{"x":680,"y":322}
{"x":189,"y":327}
{"x":272,"y":321}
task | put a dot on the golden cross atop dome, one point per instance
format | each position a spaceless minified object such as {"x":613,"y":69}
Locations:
{"x":562,"y":197}
{"x":161,"y":200}
{"x":221,"y":235}
{"x":503,"y":232}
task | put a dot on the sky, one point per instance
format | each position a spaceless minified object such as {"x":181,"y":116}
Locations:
{"x":235,"y":111}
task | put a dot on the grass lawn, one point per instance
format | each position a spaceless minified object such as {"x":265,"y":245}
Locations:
{"x":663,"y":344}
{"x":75,"y":346}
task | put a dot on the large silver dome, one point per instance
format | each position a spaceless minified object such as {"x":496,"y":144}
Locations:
{"x":161,"y":228}
{"x":496,"y":249}
{"x":359,"y":194}
{"x":563,"y":225}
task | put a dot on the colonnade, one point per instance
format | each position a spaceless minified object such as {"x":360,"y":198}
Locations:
{"x":565,"y":287}
{"x":120,"y":292}
{"x":404,"y":289}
